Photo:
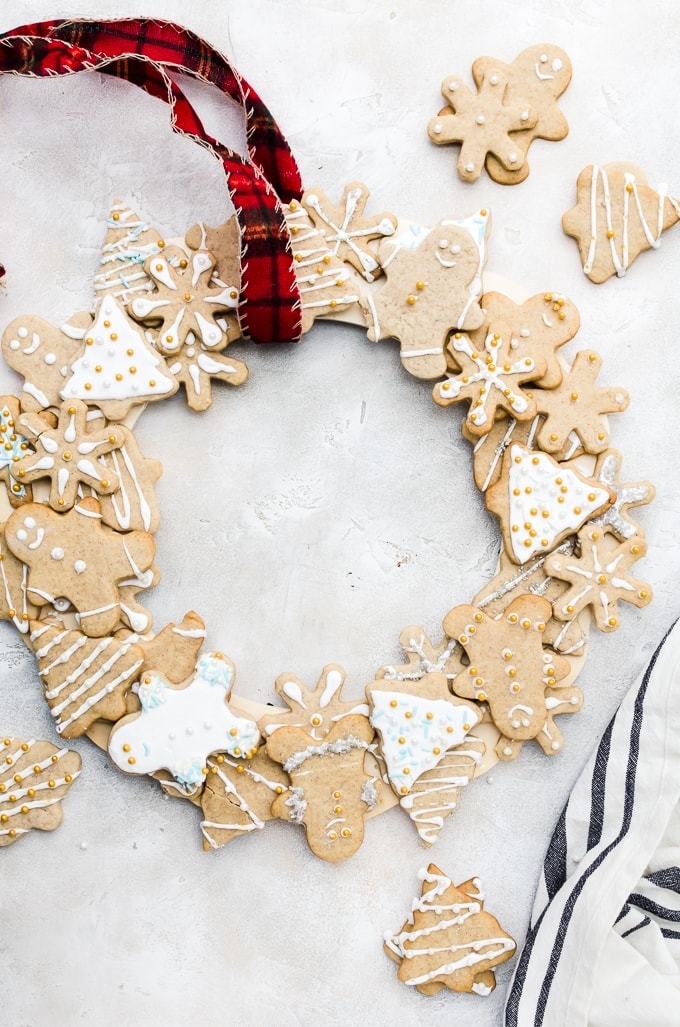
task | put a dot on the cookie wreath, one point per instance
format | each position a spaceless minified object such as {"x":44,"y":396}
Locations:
{"x":165,"y":313}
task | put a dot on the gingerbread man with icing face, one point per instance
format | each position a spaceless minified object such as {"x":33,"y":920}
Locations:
{"x":72,"y":559}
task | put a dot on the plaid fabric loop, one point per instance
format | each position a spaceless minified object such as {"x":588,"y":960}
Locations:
{"x":144,"y":53}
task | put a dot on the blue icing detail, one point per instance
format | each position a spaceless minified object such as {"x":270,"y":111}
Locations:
{"x":214,"y":671}
{"x":152,"y":694}
{"x":146,"y":748}
{"x":190,"y":774}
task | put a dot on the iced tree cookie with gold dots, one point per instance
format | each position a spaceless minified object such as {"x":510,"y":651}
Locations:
{"x":426,"y":744}
{"x":540,"y":502}
{"x":34,"y":778}
{"x":116,"y":368}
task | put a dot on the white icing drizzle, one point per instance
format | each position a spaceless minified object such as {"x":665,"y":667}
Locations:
{"x":488,"y":372}
{"x":342,"y":233}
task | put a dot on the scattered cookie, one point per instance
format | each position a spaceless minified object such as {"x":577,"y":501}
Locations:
{"x":34,"y":778}
{"x":510,"y":670}
{"x":330,"y":790}
{"x":538,"y":76}
{"x":616,"y":218}
{"x":482,"y":122}
{"x":425,"y":743}
{"x":449,"y":940}
{"x":129,"y":241}
{"x":67,"y":454}
{"x":346,"y":230}
{"x":71,"y":557}
{"x":238,"y":796}
{"x":539,"y":502}
{"x":598,"y":578}
{"x":117,"y":368}
{"x":491,"y":379}
{"x":179,"y":727}
{"x":430,"y":291}
{"x":321,"y":275}
{"x":84,"y":679}
{"x":578,"y":406}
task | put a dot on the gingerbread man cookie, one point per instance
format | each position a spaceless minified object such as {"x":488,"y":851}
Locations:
{"x":510,"y":670}
{"x":72,"y":559}
{"x":41,"y":353}
{"x":430,"y":291}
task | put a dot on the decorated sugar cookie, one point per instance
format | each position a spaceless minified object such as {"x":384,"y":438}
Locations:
{"x":83,"y":678}
{"x":346,"y":230}
{"x":72,"y":559}
{"x":238,"y":796}
{"x":616,"y":218}
{"x":179,"y":727}
{"x":511,"y":671}
{"x":540,"y":502}
{"x":129,"y":241}
{"x":449,"y":940}
{"x":315,"y":710}
{"x":41,"y":354}
{"x":34,"y":779}
{"x":117,"y":368}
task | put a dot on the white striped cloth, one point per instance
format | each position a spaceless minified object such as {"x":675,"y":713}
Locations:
{"x":603,"y":946}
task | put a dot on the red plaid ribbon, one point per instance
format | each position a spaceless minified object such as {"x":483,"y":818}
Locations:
{"x":144,"y":53}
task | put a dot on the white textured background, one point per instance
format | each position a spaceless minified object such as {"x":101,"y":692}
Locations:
{"x":314,"y":512}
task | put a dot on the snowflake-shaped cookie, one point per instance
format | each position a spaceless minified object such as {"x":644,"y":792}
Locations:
{"x":67,"y":454}
{"x":598,"y":578}
{"x":482,"y":122}
{"x":638,"y":493}
{"x":187,"y":300}
{"x":424,"y":657}
{"x":345,"y":229}
{"x":578,"y":405}
{"x":490,"y":378}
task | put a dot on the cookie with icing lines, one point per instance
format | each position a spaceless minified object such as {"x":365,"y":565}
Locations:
{"x":179,"y":727}
{"x":15,"y":605}
{"x":68,"y":454}
{"x":491,"y":379}
{"x":129,"y":241}
{"x":538,"y":76}
{"x":512,"y":673}
{"x":598,"y":577}
{"x":73,"y":560}
{"x":540,"y":502}
{"x":84,"y":679}
{"x":314,"y":710}
{"x":346,"y":230}
{"x":617,"y":217}
{"x":34,"y":779}
{"x":426,"y":744}
{"x":238,"y":796}
{"x":449,"y":940}
{"x":431,"y":290}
